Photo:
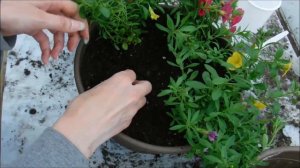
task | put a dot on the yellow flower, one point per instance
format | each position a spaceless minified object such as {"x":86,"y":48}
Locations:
{"x":153,"y":15}
{"x":286,"y":68}
{"x":235,"y":60}
{"x":259,"y":105}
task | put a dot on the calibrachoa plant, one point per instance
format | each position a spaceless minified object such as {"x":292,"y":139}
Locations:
{"x":220,"y":101}
{"x":120,"y":21}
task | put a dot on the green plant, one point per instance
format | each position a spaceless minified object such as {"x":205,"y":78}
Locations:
{"x":120,"y":21}
{"x":220,"y":101}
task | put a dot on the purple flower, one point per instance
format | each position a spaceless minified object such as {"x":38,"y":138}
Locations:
{"x":212,"y":136}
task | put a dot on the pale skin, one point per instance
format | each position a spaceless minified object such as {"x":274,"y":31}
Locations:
{"x":98,"y":114}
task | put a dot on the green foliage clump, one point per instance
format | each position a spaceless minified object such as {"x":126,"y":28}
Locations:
{"x":120,"y":21}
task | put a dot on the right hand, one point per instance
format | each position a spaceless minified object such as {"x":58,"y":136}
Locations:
{"x":104,"y":111}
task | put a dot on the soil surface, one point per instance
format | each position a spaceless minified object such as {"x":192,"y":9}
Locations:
{"x":149,"y":60}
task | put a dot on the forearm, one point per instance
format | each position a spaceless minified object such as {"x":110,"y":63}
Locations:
{"x":52,"y":150}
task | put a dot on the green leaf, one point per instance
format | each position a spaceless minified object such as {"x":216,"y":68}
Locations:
{"x":260,"y":86}
{"x":104,"y":11}
{"x":177,"y":127}
{"x":189,"y":118}
{"x":276,"y":94}
{"x":234,"y":120}
{"x":181,"y":79}
{"x":242,"y":82}
{"x":172,"y":64}
{"x":145,"y":12}
{"x":224,"y":152}
{"x":196,"y":117}
{"x":170,"y":23}
{"x":230,"y":141}
{"x":235,"y":158}
{"x":194,"y":75}
{"x":192,"y":65}
{"x":265,"y":140}
{"x":189,"y":134}
{"x":125,"y":46}
{"x":205,"y":143}
{"x":226,"y":99}
{"x":213,"y":159}
{"x":177,"y":18}
{"x":219,"y":81}
{"x":196,"y":85}
{"x":211,"y":70}
{"x":279,"y":53}
{"x":162,"y":28}
{"x":206,"y":77}
{"x":216,"y":94}
{"x":188,"y":29}
{"x":164,"y":93}
{"x":276,"y":108}
{"x":222,"y":125}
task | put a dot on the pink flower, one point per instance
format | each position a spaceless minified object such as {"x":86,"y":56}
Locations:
{"x":227,"y":9}
{"x":237,"y":16}
{"x":232,"y":29}
{"x":235,"y":20}
{"x":212,"y":136}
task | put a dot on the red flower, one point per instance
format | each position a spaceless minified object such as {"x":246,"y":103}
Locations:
{"x":204,"y":7}
{"x":201,"y":12}
{"x":232,"y":29}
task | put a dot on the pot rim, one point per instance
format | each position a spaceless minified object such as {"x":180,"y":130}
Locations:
{"x":277,"y":151}
{"x":121,"y":138}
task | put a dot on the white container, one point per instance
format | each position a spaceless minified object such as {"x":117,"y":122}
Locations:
{"x":257,"y":12}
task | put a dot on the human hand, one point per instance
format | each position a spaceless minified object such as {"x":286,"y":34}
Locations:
{"x":31,"y":17}
{"x":104,"y":111}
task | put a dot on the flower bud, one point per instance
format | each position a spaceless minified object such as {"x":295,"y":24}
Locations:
{"x":222,"y":13}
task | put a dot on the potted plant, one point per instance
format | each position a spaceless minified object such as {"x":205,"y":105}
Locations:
{"x":209,"y":96}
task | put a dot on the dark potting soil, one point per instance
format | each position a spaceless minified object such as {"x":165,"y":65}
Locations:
{"x":149,"y":61}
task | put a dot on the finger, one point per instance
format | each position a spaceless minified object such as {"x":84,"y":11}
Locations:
{"x":143,"y":87}
{"x":43,"y":41}
{"x":71,"y":9}
{"x":85,"y":34}
{"x":62,"y":23}
{"x":141,"y":103}
{"x":67,"y":7}
{"x":58,"y":44}
{"x":73,"y":41}
{"x":128,"y":75}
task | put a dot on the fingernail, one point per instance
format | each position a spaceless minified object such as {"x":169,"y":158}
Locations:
{"x":78,"y":26}
{"x":86,"y":41}
{"x":82,"y":26}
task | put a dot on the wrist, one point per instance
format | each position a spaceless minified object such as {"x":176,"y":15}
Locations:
{"x":74,"y":135}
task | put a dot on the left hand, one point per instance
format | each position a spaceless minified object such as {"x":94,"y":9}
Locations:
{"x":31,"y":17}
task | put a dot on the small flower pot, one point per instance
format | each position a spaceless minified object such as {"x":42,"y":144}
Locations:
{"x":281,"y":157}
